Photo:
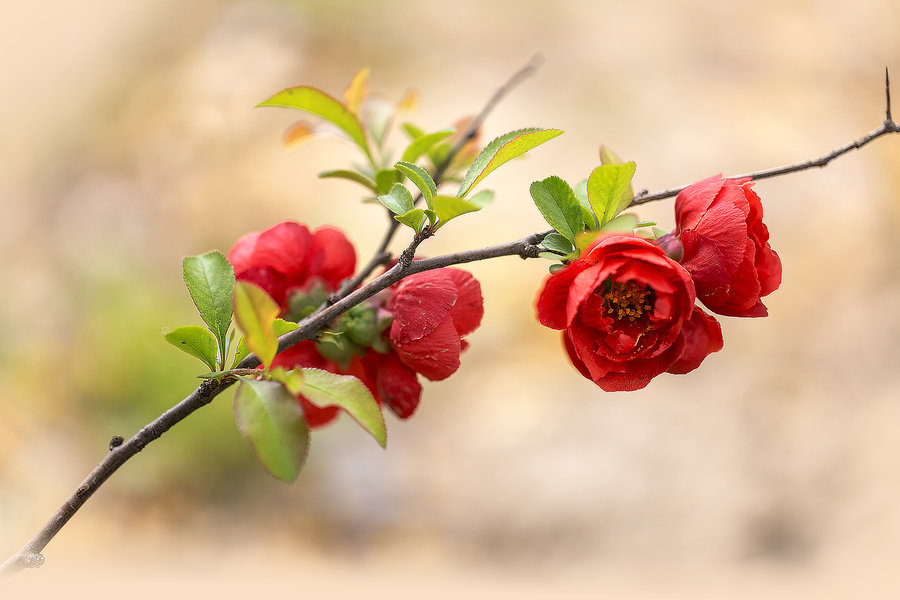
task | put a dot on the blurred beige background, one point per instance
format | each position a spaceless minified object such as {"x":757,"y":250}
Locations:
{"x":130,"y":140}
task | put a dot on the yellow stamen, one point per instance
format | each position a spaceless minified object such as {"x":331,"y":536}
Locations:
{"x":628,"y":300}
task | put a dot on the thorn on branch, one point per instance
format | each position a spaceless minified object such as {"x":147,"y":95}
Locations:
{"x":115,"y":442}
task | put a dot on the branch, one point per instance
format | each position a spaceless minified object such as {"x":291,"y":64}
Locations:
{"x":886,"y":127}
{"x":382,"y":256}
{"x":29,"y":556}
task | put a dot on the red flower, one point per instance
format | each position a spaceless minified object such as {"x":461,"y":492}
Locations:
{"x":432,"y":312}
{"x":627,"y":314}
{"x":726,"y":246}
{"x":288,"y":257}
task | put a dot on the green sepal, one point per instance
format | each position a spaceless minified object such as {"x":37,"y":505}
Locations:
{"x":272,"y":421}
{"x":502,"y":150}
{"x":317,"y":102}
{"x":556,"y":267}
{"x":324,"y":388}
{"x":557,"y":202}
{"x":350,"y":176}
{"x":420,"y":178}
{"x":399,"y":201}
{"x":210,"y":280}
{"x":422,"y":143}
{"x":196,"y":341}
{"x":255,"y":312}
{"x":609,"y":190}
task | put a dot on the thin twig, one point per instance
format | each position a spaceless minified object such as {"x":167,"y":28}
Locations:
{"x":888,"y":126}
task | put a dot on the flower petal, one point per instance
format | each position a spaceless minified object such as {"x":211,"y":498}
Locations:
{"x":421,"y":303}
{"x":435,"y":355}
{"x":703,"y":336}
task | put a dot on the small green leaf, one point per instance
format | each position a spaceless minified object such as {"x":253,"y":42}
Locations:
{"x":210,"y":280}
{"x":385,"y":179}
{"x":399,"y":201}
{"x":624,"y":222}
{"x":271,"y":420}
{"x":432,"y":216}
{"x":317,"y":102}
{"x":292,"y":379}
{"x":196,"y":341}
{"x":556,"y":267}
{"x":412,"y":131}
{"x":420,"y":178}
{"x":482,"y":199}
{"x":280,"y":326}
{"x":323,"y":388}
{"x":584,"y":239}
{"x":580,"y":189}
{"x":557,"y":202}
{"x":657,"y":232}
{"x":502,"y":150}
{"x":412,"y":218}
{"x":609,"y":190}
{"x":423,"y":143}
{"x":608,"y":157}
{"x":645,"y":224}
{"x":450,"y":207}
{"x":557,"y":243}
{"x":255,"y":312}
{"x":350,"y":176}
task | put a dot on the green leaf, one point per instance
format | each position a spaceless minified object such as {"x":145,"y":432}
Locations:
{"x":557,"y":202}
{"x":423,"y":143}
{"x":580,"y":189}
{"x":350,"y":176}
{"x":280,"y":326}
{"x":399,"y":201}
{"x":255,"y":312}
{"x":450,"y":207}
{"x":271,"y":420}
{"x":502,"y":150}
{"x":420,"y":178}
{"x":557,"y":243}
{"x":323,"y":388}
{"x":482,"y":199}
{"x":623,"y":222}
{"x":412,"y":131}
{"x":292,"y":379}
{"x":608,"y":157}
{"x":609,"y":190}
{"x":317,"y":102}
{"x":210,"y":280}
{"x":412,"y":218}
{"x":385,"y":179}
{"x":196,"y":341}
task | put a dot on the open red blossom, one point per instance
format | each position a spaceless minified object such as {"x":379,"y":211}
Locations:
{"x":432,"y":312}
{"x":288,"y":257}
{"x":627,"y":314}
{"x":726,"y":246}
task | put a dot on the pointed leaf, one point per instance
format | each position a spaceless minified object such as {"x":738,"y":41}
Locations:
{"x":450,"y":207}
{"x":482,"y":199}
{"x":580,"y":189}
{"x":399,"y":201}
{"x":324,"y":388}
{"x":412,"y":131}
{"x":350,"y":176}
{"x":255,"y":312}
{"x":196,"y":341}
{"x":412,"y":218}
{"x":210,"y":280}
{"x":557,"y":243}
{"x":271,"y":420}
{"x":357,"y":90}
{"x":385,"y":180}
{"x":420,"y":178}
{"x":280,"y":326}
{"x":502,"y":150}
{"x":423,"y":143}
{"x":557,"y":202}
{"x":609,"y":190}
{"x":291,"y":379}
{"x":608,"y":157}
{"x":319,"y":103}
{"x":625,"y":222}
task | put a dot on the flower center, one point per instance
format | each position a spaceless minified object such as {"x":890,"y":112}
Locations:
{"x":628,"y":300}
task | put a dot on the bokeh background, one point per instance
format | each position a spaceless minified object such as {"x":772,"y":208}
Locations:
{"x":130,"y":140}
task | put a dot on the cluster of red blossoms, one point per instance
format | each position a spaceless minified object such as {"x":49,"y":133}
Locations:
{"x":413,"y":328}
{"x":626,"y":305}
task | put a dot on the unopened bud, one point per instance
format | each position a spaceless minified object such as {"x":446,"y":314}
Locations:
{"x":671,"y":245}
